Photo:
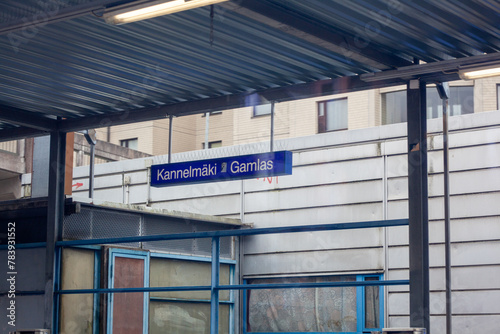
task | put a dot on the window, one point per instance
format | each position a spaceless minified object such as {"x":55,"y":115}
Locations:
{"x":212,"y":144}
{"x":301,"y":310}
{"x":263,"y":109}
{"x":332,"y":115}
{"x":186,"y":312}
{"x":461,"y":102}
{"x":394,"y":107}
{"x":128,"y":312}
{"x":131,"y":143}
{"x":79,"y":311}
{"x":498,"y":97}
{"x":217,"y":112}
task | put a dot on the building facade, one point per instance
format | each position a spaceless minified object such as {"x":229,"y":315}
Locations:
{"x":298,"y":118}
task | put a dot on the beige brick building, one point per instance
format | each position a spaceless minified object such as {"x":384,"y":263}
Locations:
{"x":292,"y":119}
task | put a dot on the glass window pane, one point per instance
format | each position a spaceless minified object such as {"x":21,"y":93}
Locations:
{"x":498,"y":97}
{"x":302,"y":309}
{"x":336,"y":115}
{"x":372,"y":305}
{"x":263,"y":109}
{"x":434,"y":103}
{"x":215,"y":144}
{"x":461,"y":100}
{"x":321,"y":106}
{"x":133,"y":143}
{"x":394,"y":107}
{"x":169,"y":272}
{"x":77,"y":311}
{"x":184,"y":318}
{"x":212,"y":144}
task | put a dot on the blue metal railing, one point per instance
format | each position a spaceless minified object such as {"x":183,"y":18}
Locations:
{"x":215,"y":236}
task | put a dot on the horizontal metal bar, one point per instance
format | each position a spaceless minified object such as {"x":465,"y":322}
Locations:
{"x":418,"y":70}
{"x":25,"y":293}
{"x":20,"y":132}
{"x":198,"y":301}
{"x":240,"y":287}
{"x":43,"y":17}
{"x":312,"y":285}
{"x":27,"y":119}
{"x":233,"y":101}
{"x":26,"y":246}
{"x":243,"y":232}
{"x":123,"y":290}
{"x":189,"y":258}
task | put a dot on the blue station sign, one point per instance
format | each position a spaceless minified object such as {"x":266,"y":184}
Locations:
{"x":222,"y":169}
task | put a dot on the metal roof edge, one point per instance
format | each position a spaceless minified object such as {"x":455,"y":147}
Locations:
{"x":163,"y":212}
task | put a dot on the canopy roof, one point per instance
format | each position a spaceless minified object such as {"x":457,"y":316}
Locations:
{"x":63,"y":68}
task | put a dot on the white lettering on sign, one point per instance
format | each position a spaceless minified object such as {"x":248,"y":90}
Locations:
{"x":243,"y":167}
{"x":206,"y":170}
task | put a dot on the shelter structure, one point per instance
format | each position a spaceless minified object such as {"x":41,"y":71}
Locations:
{"x":65,"y":69}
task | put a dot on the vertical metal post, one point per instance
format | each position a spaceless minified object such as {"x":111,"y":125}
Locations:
{"x":385,"y":207}
{"x":90,"y":136}
{"x":272,"y":126}
{"x":242,"y":201}
{"x":447,"y":241}
{"x":170,"y":130}
{"x":91,"y":172}
{"x":418,"y":205}
{"x":55,"y":215}
{"x":214,"y":300}
{"x":443,"y":89}
{"x":207,"y":129}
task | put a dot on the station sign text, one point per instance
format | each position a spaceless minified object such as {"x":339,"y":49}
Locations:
{"x":222,"y":169}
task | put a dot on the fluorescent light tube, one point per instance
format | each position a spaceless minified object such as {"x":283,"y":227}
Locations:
{"x":131,"y":13}
{"x":478,"y":72}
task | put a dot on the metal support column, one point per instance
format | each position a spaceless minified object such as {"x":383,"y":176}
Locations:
{"x":272,"y":127}
{"x":90,"y":136}
{"x":92,"y":171}
{"x":55,"y":215}
{"x":207,"y":129}
{"x":170,"y":131}
{"x":418,"y":205}
{"x":444,"y":93}
{"x":214,"y":300}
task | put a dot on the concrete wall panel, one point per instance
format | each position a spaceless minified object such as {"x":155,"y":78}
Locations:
{"x":337,"y":261}
{"x":341,"y":239}
{"x":318,"y":215}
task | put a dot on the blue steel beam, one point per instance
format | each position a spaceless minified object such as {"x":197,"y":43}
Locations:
{"x":124,"y":290}
{"x":214,"y":295}
{"x":225,"y":233}
{"x":27,"y":246}
{"x":238,"y":287}
{"x":312,"y":285}
{"x":244,"y":232}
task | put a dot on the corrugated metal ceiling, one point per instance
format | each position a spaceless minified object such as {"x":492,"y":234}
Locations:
{"x":81,"y":67}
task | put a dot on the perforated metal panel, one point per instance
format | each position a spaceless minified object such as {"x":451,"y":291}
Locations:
{"x":154,"y":225}
{"x":98,"y":223}
{"x":204,"y":246}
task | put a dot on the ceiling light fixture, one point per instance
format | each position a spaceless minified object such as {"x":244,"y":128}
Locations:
{"x":146,"y":10}
{"x":478,"y":72}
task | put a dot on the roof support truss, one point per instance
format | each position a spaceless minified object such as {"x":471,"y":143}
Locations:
{"x":296,"y":26}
